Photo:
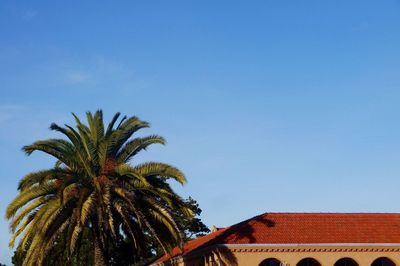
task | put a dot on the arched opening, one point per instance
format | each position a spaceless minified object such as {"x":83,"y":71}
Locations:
{"x":270,"y":262}
{"x":383,"y":262}
{"x":346,"y":262}
{"x":308,"y":262}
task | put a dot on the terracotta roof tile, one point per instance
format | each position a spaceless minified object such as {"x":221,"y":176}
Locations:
{"x":303,"y":228}
{"x":193,"y":245}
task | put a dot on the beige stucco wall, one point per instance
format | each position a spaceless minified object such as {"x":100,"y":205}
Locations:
{"x":324,"y":258}
{"x":289,"y":256}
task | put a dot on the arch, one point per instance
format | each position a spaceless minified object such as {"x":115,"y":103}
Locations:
{"x":270,"y":262}
{"x":383,"y":261}
{"x":346,"y":262}
{"x":308,"y":262}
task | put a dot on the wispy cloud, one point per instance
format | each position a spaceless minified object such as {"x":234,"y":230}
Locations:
{"x":29,"y":14}
{"x":362,"y":26}
{"x":93,"y":72}
{"x":9,"y":53}
{"x":27,"y":123}
{"x":79,"y":72}
{"x":8,"y":112}
{"x":77,"y":77}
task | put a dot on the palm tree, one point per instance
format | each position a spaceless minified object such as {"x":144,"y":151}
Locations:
{"x":92,"y":187}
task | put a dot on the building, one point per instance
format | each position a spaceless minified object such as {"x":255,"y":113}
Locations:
{"x":297,"y":239}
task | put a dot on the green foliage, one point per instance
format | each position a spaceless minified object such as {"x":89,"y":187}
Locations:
{"x":93,"y":201}
{"x":192,"y":226}
{"x":121,"y":253}
{"x":59,"y":255}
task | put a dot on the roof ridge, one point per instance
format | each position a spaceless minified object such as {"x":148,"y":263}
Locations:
{"x":327,"y":212}
{"x":302,"y":227}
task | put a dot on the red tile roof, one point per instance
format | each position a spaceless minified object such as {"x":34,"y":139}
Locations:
{"x":302,"y":228}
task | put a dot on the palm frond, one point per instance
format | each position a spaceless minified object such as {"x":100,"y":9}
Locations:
{"x":133,"y":147}
{"x":40,"y":177}
{"x":161,"y":170}
{"x":28,"y":195}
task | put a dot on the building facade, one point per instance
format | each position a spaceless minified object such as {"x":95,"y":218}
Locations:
{"x":297,"y":239}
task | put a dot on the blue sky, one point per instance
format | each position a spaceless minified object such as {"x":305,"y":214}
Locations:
{"x":266,"y":105}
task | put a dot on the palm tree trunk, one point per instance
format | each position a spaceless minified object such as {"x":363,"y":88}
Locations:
{"x":99,"y":258}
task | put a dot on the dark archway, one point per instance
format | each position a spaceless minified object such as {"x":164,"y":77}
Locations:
{"x":346,"y":262}
{"x":270,"y":262}
{"x":308,"y":262}
{"x":383,"y":262}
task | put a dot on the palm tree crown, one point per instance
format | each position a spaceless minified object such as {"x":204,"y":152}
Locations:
{"x":93,"y":187}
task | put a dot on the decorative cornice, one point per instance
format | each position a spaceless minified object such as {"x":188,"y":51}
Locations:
{"x":289,"y":248}
{"x":317,"y":249}
{"x":314,"y":244}
{"x":324,"y":247}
